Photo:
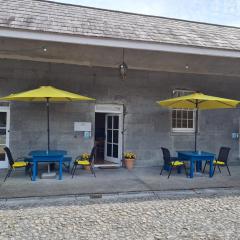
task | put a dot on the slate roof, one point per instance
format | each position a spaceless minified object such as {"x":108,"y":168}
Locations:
{"x":45,"y":16}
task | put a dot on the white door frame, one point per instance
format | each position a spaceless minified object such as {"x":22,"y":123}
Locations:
{"x":5,"y":164}
{"x":116,"y":109}
{"x":113,"y":159}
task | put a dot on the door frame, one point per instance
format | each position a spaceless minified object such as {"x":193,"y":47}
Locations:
{"x":120,"y":127}
{"x":113,"y":109}
{"x":5,"y":164}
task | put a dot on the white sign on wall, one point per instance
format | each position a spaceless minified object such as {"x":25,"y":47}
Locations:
{"x":82,"y":126}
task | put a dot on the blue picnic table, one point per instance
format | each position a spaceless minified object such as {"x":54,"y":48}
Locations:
{"x":196,"y":158}
{"x":51,"y":156}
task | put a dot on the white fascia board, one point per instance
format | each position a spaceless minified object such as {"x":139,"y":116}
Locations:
{"x":117,"y":43}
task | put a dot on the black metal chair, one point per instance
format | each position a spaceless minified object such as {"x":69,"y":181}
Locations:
{"x":15,"y":164}
{"x":171,"y":162}
{"x":221,"y":161}
{"x":90,"y":162}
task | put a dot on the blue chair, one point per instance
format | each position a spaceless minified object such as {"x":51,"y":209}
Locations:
{"x":221,"y":161}
{"x":90,"y":162}
{"x":25,"y":163}
{"x":171,"y":162}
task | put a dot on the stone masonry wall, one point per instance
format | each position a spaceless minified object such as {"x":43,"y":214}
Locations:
{"x":148,"y":126}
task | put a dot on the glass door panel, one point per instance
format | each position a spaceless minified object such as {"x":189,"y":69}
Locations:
{"x":4,"y":135}
{"x":113,"y":138}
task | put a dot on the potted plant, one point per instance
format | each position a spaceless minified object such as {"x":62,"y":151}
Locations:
{"x":85,"y":157}
{"x":129,"y":159}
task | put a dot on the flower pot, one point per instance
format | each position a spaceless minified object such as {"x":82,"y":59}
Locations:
{"x":129,"y":162}
{"x":86,"y":167}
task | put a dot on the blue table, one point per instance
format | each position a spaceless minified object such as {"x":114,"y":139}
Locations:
{"x":197,"y":157}
{"x":49,"y":157}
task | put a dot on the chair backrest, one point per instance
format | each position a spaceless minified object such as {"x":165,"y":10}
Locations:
{"x":223,"y":154}
{"x":9,"y":156}
{"x":92,"y":155}
{"x":166,"y":156}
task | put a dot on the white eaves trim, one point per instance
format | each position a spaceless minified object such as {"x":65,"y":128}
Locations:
{"x":117,"y":43}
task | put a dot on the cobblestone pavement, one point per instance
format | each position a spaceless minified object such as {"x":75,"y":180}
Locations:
{"x":184,"y":217}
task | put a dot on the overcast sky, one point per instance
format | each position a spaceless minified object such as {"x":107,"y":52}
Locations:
{"x":225,"y":12}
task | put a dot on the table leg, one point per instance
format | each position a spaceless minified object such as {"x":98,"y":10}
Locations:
{"x":198,"y":166}
{"x":191,"y":168}
{"x":60,"y":170}
{"x":211,"y":168}
{"x":34,"y":171}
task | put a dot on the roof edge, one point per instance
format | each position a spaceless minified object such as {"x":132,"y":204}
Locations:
{"x":137,"y":14}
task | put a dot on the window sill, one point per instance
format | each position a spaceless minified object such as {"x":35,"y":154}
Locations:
{"x":183,"y":133}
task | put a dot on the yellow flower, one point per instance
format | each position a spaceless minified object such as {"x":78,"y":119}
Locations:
{"x":129,"y":155}
{"x":85,"y":156}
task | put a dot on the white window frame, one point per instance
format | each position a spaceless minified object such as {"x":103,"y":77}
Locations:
{"x":178,"y":93}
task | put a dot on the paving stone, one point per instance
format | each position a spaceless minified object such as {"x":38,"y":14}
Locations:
{"x":184,"y":217}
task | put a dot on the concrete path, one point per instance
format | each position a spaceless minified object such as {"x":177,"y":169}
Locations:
{"x":113,"y":181}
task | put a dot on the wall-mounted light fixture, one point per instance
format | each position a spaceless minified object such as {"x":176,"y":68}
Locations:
{"x":42,"y":48}
{"x":123,"y":68}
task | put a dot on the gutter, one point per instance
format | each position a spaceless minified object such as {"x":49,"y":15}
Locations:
{"x":116,"y":43}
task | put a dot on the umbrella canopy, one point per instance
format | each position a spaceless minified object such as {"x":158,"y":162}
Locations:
{"x":198,"y":101}
{"x":46,"y":94}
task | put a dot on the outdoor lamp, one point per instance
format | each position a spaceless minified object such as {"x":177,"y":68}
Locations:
{"x":123,"y":68}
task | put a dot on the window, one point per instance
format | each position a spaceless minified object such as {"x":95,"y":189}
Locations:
{"x":183,"y":120}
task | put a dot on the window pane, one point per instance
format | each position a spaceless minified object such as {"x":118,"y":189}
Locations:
{"x":109,"y":136}
{"x":3,"y":117}
{"x":190,"y":123}
{"x":190,"y":114}
{"x":115,"y":151}
{"x":184,"y":123}
{"x":109,"y":124}
{"x":115,"y":122}
{"x":185,"y":115}
{"x":109,"y":150}
{"x":174,"y":113}
{"x":115,"y":136}
{"x":179,"y":114}
{"x":179,"y":124}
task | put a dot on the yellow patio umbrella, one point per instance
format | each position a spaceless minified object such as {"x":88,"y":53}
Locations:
{"x":46,"y":94}
{"x":198,"y":101}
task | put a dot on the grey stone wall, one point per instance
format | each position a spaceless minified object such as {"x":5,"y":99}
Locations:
{"x":148,"y":126}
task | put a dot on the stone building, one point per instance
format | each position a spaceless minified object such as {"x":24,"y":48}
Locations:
{"x":80,"y":49}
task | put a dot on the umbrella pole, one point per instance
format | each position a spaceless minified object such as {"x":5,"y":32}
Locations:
{"x":196,"y":127}
{"x":48,"y":129}
{"x":48,"y":132}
